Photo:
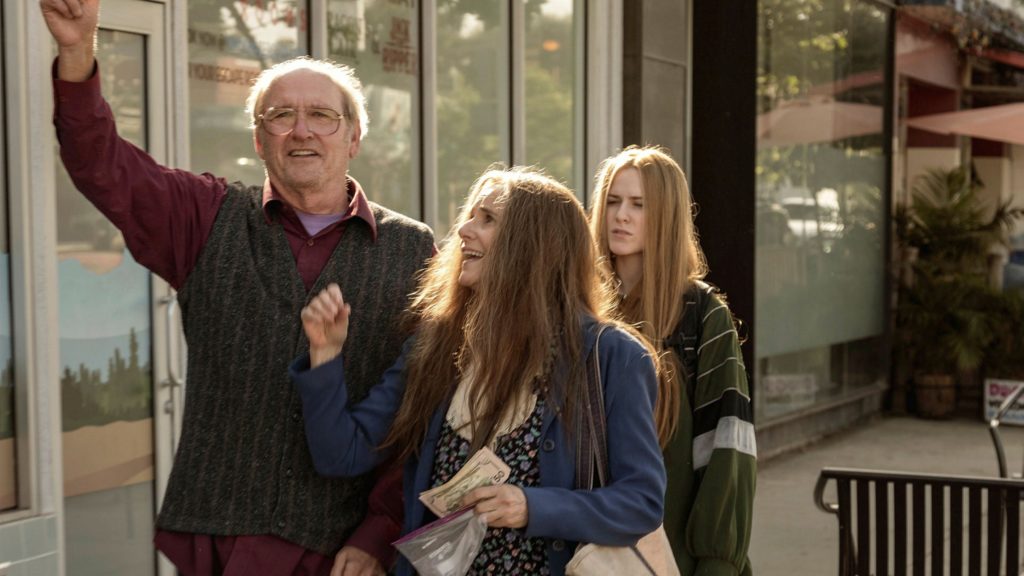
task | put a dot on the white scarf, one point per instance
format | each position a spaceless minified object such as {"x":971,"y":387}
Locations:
{"x":459,"y":419}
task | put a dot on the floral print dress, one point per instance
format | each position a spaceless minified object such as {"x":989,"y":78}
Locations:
{"x":505,"y":551}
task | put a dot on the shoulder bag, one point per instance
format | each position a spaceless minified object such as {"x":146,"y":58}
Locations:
{"x":652,"y":555}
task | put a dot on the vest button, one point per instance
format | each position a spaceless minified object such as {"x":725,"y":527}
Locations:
{"x":280,"y":523}
{"x":288,"y":472}
{"x":296,"y":416}
{"x":548,"y":445}
{"x":309,"y":242}
{"x":558,"y":545}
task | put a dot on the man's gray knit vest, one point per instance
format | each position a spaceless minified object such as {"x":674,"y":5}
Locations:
{"x":243,"y":464}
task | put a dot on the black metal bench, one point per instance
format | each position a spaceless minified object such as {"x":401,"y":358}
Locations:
{"x":897,"y":524}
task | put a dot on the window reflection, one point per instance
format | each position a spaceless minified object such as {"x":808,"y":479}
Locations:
{"x":229,"y":43}
{"x":472,"y":98}
{"x":551,"y":104}
{"x":83,"y":233}
{"x":820,"y":187}
{"x":379,"y":38}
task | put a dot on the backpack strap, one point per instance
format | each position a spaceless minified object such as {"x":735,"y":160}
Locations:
{"x":685,"y":339}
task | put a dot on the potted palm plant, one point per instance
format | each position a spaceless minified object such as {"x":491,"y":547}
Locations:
{"x":944,"y":319}
{"x":1005,"y":357}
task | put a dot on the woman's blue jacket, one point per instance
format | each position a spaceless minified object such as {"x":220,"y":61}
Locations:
{"x":343,"y":441}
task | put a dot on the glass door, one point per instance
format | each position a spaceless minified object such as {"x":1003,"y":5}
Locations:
{"x":108,"y":345}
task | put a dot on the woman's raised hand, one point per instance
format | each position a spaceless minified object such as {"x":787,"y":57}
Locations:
{"x":325,"y":320}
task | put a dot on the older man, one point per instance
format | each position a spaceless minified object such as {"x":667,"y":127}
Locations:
{"x":243,"y":497}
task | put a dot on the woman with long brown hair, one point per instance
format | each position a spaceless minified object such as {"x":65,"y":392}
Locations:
{"x":506,"y":316}
{"x":642,"y":220}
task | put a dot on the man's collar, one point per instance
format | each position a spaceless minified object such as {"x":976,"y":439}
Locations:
{"x":358,"y":205}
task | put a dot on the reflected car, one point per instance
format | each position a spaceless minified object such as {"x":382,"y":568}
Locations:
{"x":807,"y":219}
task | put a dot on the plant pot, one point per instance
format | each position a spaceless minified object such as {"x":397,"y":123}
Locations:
{"x":935,"y":395}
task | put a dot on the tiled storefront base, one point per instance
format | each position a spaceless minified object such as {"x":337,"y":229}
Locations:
{"x":29,"y":547}
{"x":797,"y":430}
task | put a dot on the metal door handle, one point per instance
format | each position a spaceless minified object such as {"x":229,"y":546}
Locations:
{"x":173,"y":380}
{"x":172,"y":306}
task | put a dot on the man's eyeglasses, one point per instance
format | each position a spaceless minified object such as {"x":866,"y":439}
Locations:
{"x":281,"y":121}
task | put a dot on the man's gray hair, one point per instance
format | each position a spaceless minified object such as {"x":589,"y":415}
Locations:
{"x":342,"y":76}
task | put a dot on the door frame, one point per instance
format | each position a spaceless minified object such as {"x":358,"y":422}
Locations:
{"x":152,"y":20}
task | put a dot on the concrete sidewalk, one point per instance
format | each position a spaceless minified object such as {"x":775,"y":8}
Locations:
{"x":791,"y":536}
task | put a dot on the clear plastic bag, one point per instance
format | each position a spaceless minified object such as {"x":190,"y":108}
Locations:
{"x":445,"y":547}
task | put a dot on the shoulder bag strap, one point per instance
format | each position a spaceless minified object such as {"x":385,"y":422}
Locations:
{"x":595,"y":434}
{"x":591,"y":441}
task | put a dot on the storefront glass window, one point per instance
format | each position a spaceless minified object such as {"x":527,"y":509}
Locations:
{"x":552,"y":107}
{"x":821,"y":189}
{"x":380,"y":40}
{"x":229,"y":43}
{"x":8,"y":456}
{"x":472,"y":99}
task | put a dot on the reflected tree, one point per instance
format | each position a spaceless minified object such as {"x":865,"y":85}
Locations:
{"x":473,"y":76}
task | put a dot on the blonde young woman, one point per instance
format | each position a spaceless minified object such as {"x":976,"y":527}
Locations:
{"x":506,"y":317}
{"x":642,"y":220}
